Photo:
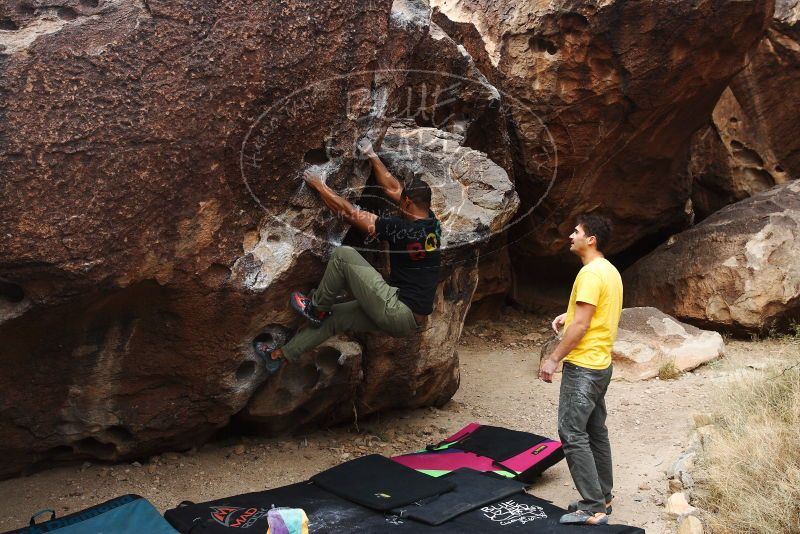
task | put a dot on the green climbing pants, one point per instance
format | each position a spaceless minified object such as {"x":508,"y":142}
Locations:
{"x":375,"y":308}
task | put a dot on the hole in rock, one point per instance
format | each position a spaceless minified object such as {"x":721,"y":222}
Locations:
{"x":66,"y":13}
{"x":274,"y":335}
{"x":246,"y":371}
{"x":574,"y":22}
{"x":90,"y":3}
{"x":95,"y":448}
{"x":59,"y":452}
{"x":760,"y":177}
{"x":316,"y":156}
{"x":274,"y":238}
{"x":734,"y":120}
{"x":284,"y":398}
{"x":328,"y":359}
{"x":736,"y":145}
{"x":8,"y":24}
{"x":118,"y":434}
{"x":265,"y":337}
{"x":641,"y":248}
{"x":747,"y":155}
{"x":539,"y":44}
{"x":778,"y":168}
{"x":10,"y":291}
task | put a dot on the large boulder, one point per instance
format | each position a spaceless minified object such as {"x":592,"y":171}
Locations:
{"x":446,"y":89}
{"x":473,"y":197}
{"x":319,"y":389}
{"x":604,"y":96}
{"x":154,"y":220}
{"x":474,"y":200}
{"x":753,"y":141}
{"x":648,"y":339}
{"x":738,"y":270}
{"x":495,"y":281}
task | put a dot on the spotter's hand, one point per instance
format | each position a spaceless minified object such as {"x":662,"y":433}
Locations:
{"x":558,"y":322}
{"x":312,"y":179}
{"x":547,"y":370}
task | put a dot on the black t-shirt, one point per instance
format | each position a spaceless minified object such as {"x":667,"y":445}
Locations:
{"x":414,"y":258}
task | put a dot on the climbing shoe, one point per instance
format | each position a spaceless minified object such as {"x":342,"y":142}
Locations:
{"x":303,"y":306}
{"x":264,"y":346}
{"x":582,"y":517}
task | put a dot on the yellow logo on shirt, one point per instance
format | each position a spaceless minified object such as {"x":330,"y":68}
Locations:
{"x":431,"y":242}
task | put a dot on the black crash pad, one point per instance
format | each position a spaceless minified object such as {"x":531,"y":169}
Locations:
{"x":473,"y":489}
{"x":329,"y":514}
{"x":379,"y":483}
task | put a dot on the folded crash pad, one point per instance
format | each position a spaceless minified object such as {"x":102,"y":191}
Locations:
{"x":511,"y":453}
{"x":377,"y":482}
{"x":473,"y":489}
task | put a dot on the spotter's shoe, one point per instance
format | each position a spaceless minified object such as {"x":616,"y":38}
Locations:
{"x":302,"y":305}
{"x":582,"y":517}
{"x":573,"y":506}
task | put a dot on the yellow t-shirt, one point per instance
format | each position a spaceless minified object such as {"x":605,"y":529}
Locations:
{"x":600,"y":284}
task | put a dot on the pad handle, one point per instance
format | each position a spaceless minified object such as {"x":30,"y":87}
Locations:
{"x":43,"y":511}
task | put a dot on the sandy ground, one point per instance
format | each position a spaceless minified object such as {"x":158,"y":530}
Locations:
{"x":649,"y":423}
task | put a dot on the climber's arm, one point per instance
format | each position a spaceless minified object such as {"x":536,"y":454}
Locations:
{"x":391,"y":186}
{"x":363,"y":220}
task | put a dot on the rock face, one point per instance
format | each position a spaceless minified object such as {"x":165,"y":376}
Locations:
{"x":473,"y":199}
{"x":648,"y":339}
{"x":753,"y":142}
{"x":494,"y":282}
{"x":321,"y":388}
{"x":472,"y":196}
{"x":154,"y":222}
{"x":738,"y":270}
{"x":153,"y":217}
{"x":446,"y":89}
{"x":604,"y":96}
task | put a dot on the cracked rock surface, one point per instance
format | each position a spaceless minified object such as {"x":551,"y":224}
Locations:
{"x":604,"y":96}
{"x":753,"y":141}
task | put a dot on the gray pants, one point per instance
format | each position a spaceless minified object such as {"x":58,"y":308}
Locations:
{"x":583,"y":433}
{"x":376,"y":306}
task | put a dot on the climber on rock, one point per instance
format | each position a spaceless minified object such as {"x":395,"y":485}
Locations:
{"x":397,"y":307}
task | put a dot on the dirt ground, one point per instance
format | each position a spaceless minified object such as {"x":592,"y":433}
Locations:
{"x":649,"y":423}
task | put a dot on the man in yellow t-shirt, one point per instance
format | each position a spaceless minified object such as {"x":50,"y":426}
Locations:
{"x":591,"y":327}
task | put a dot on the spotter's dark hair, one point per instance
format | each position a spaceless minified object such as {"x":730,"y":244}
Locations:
{"x":598,"y":226}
